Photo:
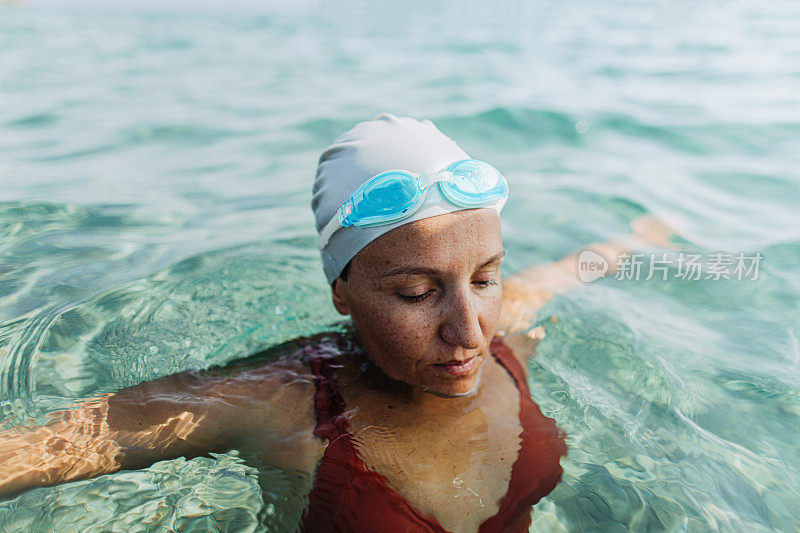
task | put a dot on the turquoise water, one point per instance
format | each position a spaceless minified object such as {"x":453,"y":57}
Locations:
{"x":156,"y":165}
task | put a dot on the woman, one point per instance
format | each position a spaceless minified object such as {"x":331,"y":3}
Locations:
{"x":415,"y":418}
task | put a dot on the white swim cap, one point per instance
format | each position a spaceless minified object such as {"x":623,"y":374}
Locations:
{"x":384,"y":143}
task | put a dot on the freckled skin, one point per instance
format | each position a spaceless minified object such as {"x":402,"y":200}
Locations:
{"x":457,"y":318}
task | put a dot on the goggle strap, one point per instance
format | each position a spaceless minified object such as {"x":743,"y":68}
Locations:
{"x":330,"y":228}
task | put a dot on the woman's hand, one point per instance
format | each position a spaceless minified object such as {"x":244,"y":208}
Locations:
{"x":653,"y":231}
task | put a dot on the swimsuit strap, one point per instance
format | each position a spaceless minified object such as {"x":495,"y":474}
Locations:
{"x":537,"y":470}
{"x":505,"y":356}
{"x":328,"y":403}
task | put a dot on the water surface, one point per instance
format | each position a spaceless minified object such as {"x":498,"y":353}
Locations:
{"x":156,"y":165}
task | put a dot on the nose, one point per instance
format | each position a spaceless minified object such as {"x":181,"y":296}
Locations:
{"x":462,"y":321}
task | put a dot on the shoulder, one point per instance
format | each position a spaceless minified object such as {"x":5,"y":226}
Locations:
{"x":270,"y":405}
{"x":269,"y":375}
{"x":279,"y":397}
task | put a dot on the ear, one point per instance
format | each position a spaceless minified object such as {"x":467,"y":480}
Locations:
{"x":339,"y":300}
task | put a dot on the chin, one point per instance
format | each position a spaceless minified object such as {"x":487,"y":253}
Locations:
{"x":458,"y":388}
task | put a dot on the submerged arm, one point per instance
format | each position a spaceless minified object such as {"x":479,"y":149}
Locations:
{"x":526,"y":292}
{"x":187,"y":414}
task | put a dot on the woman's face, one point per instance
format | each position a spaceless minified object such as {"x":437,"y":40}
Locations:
{"x":426,"y":295}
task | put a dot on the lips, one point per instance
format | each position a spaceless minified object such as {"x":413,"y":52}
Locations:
{"x":457,"y":368}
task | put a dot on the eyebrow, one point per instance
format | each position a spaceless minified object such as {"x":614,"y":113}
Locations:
{"x":417,"y":270}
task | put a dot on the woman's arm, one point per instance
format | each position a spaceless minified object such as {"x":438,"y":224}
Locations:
{"x":133,"y":428}
{"x":187,"y":414}
{"x":527,"y":291}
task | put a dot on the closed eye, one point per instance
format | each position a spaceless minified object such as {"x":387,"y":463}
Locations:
{"x":420,"y":297}
{"x":416,"y":298}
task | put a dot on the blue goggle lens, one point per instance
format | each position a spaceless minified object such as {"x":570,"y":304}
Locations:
{"x":475,"y":183}
{"x":387,"y":197}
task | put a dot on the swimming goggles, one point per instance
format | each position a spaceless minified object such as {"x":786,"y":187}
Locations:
{"x":397,"y":194}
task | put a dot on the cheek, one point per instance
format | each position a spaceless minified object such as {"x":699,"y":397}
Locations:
{"x":387,"y":314}
{"x":494,"y":308}
{"x":395,"y":334}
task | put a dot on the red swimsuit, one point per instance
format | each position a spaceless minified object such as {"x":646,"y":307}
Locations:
{"x":347,"y":496}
